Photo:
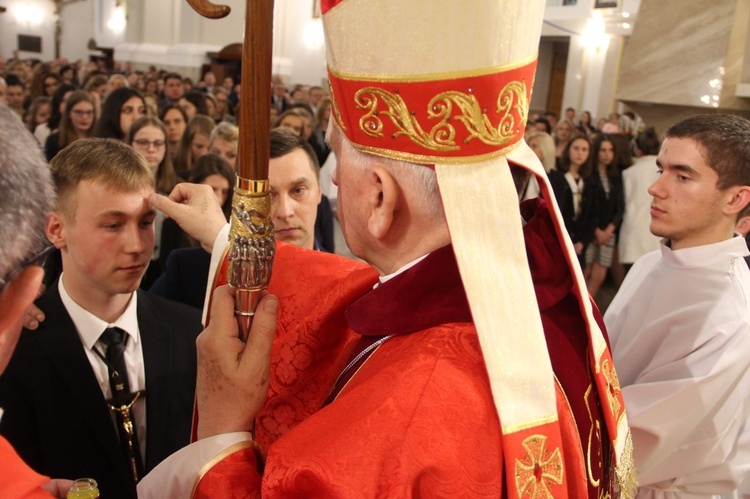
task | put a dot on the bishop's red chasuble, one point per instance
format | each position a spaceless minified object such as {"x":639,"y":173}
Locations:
{"x":415,"y":416}
{"x":19,"y":481}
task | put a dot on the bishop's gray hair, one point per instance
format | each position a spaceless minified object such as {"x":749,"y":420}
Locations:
{"x":26,"y":193}
{"x":420,"y":178}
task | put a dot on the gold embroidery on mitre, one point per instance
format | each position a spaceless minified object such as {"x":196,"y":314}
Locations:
{"x":511,"y":102}
{"x":440,"y":137}
{"x":536,"y":473}
{"x":513,"y":92}
{"x":613,"y":388}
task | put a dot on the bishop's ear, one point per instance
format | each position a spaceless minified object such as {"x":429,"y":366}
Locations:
{"x":55,"y":229}
{"x":382,"y":194}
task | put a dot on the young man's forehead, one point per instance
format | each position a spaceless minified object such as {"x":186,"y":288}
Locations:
{"x":302,"y":165}
{"x":683,"y":153}
{"x":98,"y":185}
{"x":71,"y":201}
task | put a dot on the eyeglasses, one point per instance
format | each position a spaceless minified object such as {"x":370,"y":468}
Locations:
{"x":81,"y":113}
{"x":37,"y":259}
{"x":145,"y":143}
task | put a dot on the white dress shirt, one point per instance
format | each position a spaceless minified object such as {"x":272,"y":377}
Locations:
{"x":680,"y":334}
{"x":90,"y":328}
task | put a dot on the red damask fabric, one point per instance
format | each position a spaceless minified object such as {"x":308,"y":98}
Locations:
{"x":313,"y":340}
{"x":235,"y":476}
{"x":19,"y":481}
{"x":417,"y":418}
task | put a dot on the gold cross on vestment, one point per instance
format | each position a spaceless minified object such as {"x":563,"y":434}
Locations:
{"x":613,"y":388}
{"x":537,"y":472}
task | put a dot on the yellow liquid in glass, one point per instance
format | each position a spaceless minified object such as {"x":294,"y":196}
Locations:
{"x":84,"y":488}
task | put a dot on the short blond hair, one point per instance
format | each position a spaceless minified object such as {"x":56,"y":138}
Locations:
{"x":109,"y":161}
{"x":226,"y":132}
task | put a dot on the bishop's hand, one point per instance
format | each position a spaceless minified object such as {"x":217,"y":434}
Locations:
{"x":233,"y":377}
{"x":195,"y":209}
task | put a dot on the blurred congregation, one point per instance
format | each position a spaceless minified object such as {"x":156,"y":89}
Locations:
{"x":187,"y":131}
{"x":173,"y":122}
{"x":633,"y":221}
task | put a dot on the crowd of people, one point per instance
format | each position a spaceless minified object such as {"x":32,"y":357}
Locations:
{"x":464,"y":356}
{"x":169,"y":120}
{"x":40,"y":92}
{"x":586,"y":164}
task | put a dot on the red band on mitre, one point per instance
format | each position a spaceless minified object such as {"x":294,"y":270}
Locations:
{"x":326,"y":5}
{"x":436,"y":121}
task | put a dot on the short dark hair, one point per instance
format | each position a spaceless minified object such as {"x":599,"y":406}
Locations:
{"x":13,"y":80}
{"x":546,"y":124}
{"x":725,"y":143}
{"x":71,"y":68}
{"x":170,"y":76}
{"x":648,"y":142}
{"x":284,"y":141}
{"x":198,"y":99}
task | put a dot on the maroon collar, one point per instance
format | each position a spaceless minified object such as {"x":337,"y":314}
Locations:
{"x":431,"y":293}
{"x":427,"y":294}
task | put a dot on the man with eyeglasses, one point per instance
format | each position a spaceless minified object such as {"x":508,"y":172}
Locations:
{"x":104,"y":387}
{"x":25,"y":199}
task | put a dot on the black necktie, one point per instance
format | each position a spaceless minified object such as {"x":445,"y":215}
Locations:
{"x":122,"y":400}
{"x":114,"y":337}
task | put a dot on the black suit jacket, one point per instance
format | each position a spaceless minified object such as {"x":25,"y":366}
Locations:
{"x":612,"y":206}
{"x":582,"y":226}
{"x":185,"y":277}
{"x":54,"y":411}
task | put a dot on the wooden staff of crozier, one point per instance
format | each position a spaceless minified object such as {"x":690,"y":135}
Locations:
{"x":251,"y":240}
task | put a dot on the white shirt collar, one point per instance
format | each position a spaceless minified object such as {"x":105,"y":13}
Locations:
{"x":90,"y":327}
{"x":385,"y":278}
{"x":707,"y":255}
